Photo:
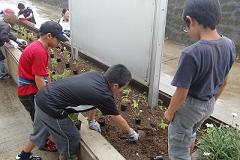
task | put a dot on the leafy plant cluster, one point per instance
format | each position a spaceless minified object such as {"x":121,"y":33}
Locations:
{"x":220,"y":143}
{"x":25,"y":33}
{"x":66,"y":73}
{"x":66,"y":55}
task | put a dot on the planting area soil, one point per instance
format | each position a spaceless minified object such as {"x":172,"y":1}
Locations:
{"x":153,"y":139}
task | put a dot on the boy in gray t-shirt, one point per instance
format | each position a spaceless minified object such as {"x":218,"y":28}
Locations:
{"x":200,"y":78}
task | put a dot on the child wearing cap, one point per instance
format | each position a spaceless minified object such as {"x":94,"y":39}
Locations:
{"x":33,"y":68}
{"x":200,"y":78}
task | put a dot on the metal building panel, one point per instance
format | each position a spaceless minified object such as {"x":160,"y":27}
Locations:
{"x":115,"y":31}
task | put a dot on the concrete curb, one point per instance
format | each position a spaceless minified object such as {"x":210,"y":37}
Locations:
{"x":101,"y":149}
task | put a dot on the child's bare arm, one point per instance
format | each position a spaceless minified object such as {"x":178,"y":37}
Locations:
{"x":178,"y":97}
{"x":92,"y":114}
{"x":121,"y":123}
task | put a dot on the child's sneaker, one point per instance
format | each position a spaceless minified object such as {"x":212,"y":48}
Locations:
{"x":31,"y":157}
{"x":5,"y":77}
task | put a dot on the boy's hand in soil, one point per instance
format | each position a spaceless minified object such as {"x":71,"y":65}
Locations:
{"x":94,"y":125}
{"x":133,"y":136}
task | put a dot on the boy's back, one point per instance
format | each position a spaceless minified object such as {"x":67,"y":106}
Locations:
{"x":208,"y":63}
{"x":90,"y":88}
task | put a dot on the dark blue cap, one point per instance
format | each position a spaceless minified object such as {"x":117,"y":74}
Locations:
{"x":54,"y":28}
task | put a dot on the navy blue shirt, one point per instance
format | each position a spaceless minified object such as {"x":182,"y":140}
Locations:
{"x":64,"y":96}
{"x":27,"y":13}
{"x":203,"y":67}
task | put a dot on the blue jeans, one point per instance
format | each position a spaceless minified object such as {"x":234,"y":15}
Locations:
{"x":2,"y":68}
{"x":182,"y":130}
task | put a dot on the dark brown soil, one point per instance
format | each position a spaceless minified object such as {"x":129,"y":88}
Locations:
{"x":153,"y":139}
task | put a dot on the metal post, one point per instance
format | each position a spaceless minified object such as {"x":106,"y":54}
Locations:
{"x":157,"y":50}
{"x":74,"y":50}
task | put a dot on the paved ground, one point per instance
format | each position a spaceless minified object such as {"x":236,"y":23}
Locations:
{"x":15,"y":124}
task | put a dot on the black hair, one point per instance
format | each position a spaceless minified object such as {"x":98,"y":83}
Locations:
{"x":21,"y":6}
{"x":118,"y":74}
{"x":64,"y":11}
{"x":205,"y":12}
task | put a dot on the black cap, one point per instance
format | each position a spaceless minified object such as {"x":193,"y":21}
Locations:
{"x":54,"y":28}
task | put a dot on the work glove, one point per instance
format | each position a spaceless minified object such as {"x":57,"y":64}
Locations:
{"x":133,"y":136}
{"x":21,"y":41}
{"x":13,"y":43}
{"x":94,"y":125}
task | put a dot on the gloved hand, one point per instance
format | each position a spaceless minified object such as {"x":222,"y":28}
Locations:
{"x":13,"y":43}
{"x":133,"y":136}
{"x":94,"y":125}
{"x":21,"y":41}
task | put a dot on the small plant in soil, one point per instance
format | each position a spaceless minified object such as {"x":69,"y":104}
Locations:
{"x":142,"y":97}
{"x":163,"y":125}
{"x":51,"y":51}
{"x":58,"y":54}
{"x":59,"y":60}
{"x":31,"y":36}
{"x":67,"y":57}
{"x":67,"y":65}
{"x":54,"y":64}
{"x":137,"y":112}
{"x":125,"y":103}
{"x":75,"y":72}
{"x":53,"y":72}
{"x":66,"y":73}
{"x":75,"y":67}
{"x":100,"y":119}
{"x":126,"y":93}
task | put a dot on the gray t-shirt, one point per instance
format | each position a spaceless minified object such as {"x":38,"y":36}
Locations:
{"x":203,"y":67}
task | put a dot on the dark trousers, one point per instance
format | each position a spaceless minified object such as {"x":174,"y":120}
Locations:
{"x":28,"y":103}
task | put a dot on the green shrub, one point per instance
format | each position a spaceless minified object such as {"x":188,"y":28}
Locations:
{"x":220,"y":143}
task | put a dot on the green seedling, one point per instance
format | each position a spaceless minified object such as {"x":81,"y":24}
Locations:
{"x":163,"y":125}
{"x":66,"y":73}
{"x":125,"y":93}
{"x":143,"y":97}
{"x":54,"y":63}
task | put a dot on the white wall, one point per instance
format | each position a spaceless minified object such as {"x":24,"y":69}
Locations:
{"x":115,"y":31}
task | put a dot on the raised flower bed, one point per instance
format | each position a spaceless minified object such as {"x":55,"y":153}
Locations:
{"x":152,"y":128}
